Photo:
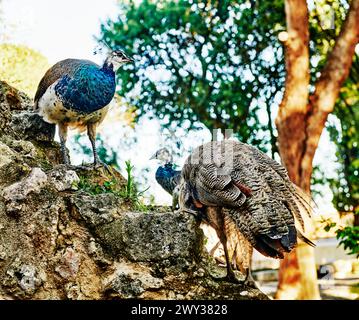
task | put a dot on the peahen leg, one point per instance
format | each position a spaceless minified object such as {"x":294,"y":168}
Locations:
{"x":63,"y":137}
{"x":91,"y":132}
{"x":249,"y":281}
{"x":231,"y":277}
{"x":215,"y":217}
{"x":213,"y":250}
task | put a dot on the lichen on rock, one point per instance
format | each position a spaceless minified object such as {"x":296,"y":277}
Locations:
{"x":61,"y":237}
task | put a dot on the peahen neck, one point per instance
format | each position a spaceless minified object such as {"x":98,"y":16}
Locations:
{"x":165,"y":171}
{"x":167,"y":177}
{"x":107,"y":67}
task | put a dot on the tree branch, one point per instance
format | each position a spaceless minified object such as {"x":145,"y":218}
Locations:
{"x":334,"y":73}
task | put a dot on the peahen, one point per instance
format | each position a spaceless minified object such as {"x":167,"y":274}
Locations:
{"x":247,"y":198}
{"x":76,"y":93}
{"x":167,"y":177}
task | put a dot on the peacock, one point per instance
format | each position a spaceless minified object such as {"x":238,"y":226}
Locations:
{"x":247,"y":198}
{"x":166,"y":176}
{"x":76,"y":93}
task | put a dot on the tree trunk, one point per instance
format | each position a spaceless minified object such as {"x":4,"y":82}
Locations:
{"x":300,"y":124}
{"x":293,"y":108}
{"x":297,"y":277}
{"x":332,"y":77}
{"x":356,"y":220}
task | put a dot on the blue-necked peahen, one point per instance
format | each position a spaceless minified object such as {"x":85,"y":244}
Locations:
{"x":166,"y":176}
{"x":76,"y":93}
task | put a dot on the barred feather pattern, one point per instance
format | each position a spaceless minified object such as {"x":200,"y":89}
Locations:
{"x":266,"y":214}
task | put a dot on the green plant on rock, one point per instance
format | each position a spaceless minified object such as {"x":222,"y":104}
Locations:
{"x":108,"y":186}
{"x":130,"y":187}
{"x":129,"y":192}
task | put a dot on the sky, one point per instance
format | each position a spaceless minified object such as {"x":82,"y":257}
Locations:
{"x":66,"y":29}
{"x":57,"y":29}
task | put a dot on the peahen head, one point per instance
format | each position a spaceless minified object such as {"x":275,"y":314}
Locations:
{"x":163,"y":155}
{"x":115,"y":59}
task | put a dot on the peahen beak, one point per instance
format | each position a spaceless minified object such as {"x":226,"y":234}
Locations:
{"x":153,"y":157}
{"x":129,"y":60}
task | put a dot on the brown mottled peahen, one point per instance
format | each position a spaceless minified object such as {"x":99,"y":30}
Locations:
{"x":247,"y":198}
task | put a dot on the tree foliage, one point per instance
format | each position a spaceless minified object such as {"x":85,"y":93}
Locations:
{"x":22,"y":67}
{"x":346,"y":137}
{"x":345,"y":188}
{"x":326,"y":21}
{"x":349,"y":238}
{"x":218,"y":63}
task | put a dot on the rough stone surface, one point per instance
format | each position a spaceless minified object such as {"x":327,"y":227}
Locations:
{"x":63,"y":179}
{"x":30,"y":125}
{"x":59,"y":240}
{"x":20,"y":190}
{"x":170,"y":235}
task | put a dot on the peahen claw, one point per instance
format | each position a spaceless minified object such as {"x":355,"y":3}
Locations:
{"x":186,"y":210}
{"x":100,"y":164}
{"x":230,"y":277}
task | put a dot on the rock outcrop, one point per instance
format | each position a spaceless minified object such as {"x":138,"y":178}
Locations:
{"x":63,"y":235}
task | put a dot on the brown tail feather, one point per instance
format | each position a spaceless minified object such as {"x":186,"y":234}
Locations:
{"x":305,"y":239}
{"x":294,"y":208}
{"x":305,"y":200}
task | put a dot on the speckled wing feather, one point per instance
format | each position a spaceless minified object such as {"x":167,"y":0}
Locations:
{"x":299,"y":201}
{"x":57,"y":71}
{"x":253,"y":190}
{"x":211,"y":187}
{"x":175,"y":181}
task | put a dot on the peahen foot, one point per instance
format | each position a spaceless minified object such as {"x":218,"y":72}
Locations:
{"x":186,"y":210}
{"x":229,"y":277}
{"x":249,"y":281}
{"x":98,"y":164}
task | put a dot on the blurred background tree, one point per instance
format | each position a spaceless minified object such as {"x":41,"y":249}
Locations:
{"x":220,"y":64}
{"x":22,"y":67}
{"x":346,"y":137}
{"x":345,"y":186}
{"x":303,"y":113}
